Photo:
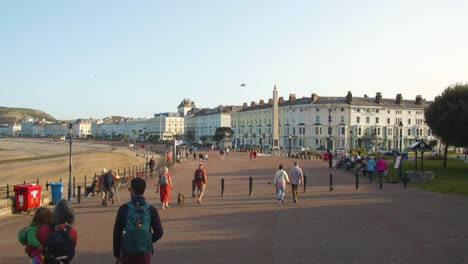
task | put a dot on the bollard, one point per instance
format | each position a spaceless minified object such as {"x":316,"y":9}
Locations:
{"x":47,"y":185}
{"x":193,"y":188}
{"x":74,"y":186}
{"x":37,"y":181}
{"x":250,"y":186}
{"x":331,"y":182}
{"x":24,"y":182}
{"x":7,"y":190}
{"x":60,"y":180}
{"x":357,"y":181}
{"x":79,"y":193}
{"x":305,"y":183}
{"x":85,"y":181}
{"x":405,"y":180}
{"x":222,"y":187}
{"x":380,"y":180}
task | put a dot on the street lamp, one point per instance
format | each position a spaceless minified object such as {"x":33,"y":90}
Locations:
{"x":329,"y":127}
{"x":289,"y":152}
{"x":261,"y":143}
{"x":351,"y":138}
{"x":70,"y":131}
{"x":401,"y":142}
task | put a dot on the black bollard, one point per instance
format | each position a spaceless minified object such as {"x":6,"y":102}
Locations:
{"x":7,"y":190}
{"x":79,"y":193}
{"x":380,"y":180}
{"x":405,"y":180}
{"x":37,"y":181}
{"x":193,"y":188}
{"x":305,"y":183}
{"x":85,"y":180}
{"x":250,"y":186}
{"x":47,"y":185}
{"x":74,"y":186}
{"x":222,"y":187}
{"x":331,"y":182}
{"x":357,"y":181}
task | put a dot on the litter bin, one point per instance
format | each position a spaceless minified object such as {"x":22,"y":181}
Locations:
{"x":325,"y":156}
{"x":57,"y":190}
{"x":27,"y":196}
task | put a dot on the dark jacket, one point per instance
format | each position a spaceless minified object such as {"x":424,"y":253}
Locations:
{"x":121,"y":221}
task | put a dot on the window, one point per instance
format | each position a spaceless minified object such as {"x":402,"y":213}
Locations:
{"x":359,"y":131}
{"x":377,"y":110}
{"x":342,"y":109}
{"x":317,"y":119}
{"x":317,"y":109}
{"x":376,"y":120}
{"x":409,"y":132}
{"x":389,"y":132}
{"x":358,"y":119}
{"x":409,"y":112}
{"x":294,"y":131}
{"x":301,"y":130}
{"x":409,"y":121}
{"x":359,"y":110}
{"x":342,"y":119}
{"x":318,"y":131}
{"x":388,"y":121}
{"x":388,"y":111}
{"x":343,"y":131}
{"x":367,"y":120}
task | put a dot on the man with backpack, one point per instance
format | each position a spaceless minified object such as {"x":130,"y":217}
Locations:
{"x":200,"y":181}
{"x":137,"y":226}
{"x":108,"y":184}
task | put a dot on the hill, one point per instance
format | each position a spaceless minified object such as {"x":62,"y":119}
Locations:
{"x":9,"y":115}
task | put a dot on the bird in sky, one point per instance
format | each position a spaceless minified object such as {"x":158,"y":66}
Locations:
{"x":243,"y":85}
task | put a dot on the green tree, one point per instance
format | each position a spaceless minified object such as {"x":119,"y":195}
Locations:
{"x":447,"y":116}
{"x":222,"y":132}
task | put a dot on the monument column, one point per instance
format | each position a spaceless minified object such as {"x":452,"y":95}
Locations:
{"x":275,"y":122}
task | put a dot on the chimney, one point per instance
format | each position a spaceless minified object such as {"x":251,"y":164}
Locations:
{"x":419,"y":100}
{"x":349,"y":97}
{"x":252,"y":104}
{"x":281,"y":100}
{"x":270,"y":101}
{"x":244,"y":106}
{"x":292,"y":98}
{"x":261,"y":103}
{"x":378,"y":98}
{"x":399,"y":99}
{"x":314,"y":98}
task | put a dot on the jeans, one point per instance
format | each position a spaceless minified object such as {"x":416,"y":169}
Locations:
{"x":280,"y":194}
{"x":371,"y":174}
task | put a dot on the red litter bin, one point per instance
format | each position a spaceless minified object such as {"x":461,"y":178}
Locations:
{"x":325,"y":156}
{"x":27,"y":196}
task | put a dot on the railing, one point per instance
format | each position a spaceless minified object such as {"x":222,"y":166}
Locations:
{"x":131,"y":172}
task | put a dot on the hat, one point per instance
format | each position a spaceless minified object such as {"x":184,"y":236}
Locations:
{"x":104,"y":170}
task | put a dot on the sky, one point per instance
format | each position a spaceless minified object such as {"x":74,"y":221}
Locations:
{"x":82,"y":59}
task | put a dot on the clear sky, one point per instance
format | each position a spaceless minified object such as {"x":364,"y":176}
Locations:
{"x":81,"y":59}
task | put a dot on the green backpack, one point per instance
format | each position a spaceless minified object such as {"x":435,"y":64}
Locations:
{"x":137,"y":238}
{"x":23,"y":235}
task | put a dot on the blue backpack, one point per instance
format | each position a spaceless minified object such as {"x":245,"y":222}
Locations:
{"x":137,"y":237}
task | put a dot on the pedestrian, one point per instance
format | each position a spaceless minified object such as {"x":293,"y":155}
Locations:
{"x":133,"y":240}
{"x":254,"y":156}
{"x":381,"y":166}
{"x":28,"y":235}
{"x":370,"y":168}
{"x":54,"y":249}
{"x":165,"y":187}
{"x":205,"y":158}
{"x":194,"y":156}
{"x":152,"y":164}
{"x":281,"y":178}
{"x":200,"y":178}
{"x":297,"y":178}
{"x":108,"y":184}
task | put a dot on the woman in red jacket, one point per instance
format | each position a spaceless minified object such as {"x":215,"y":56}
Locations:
{"x":165,"y":187}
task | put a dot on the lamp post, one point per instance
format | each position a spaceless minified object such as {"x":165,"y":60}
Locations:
{"x":261,"y":143}
{"x":351,"y":140}
{"x":289,"y":152}
{"x":70,"y":131}
{"x":401,"y":142}
{"x":329,"y":127}
{"x":237,"y":142}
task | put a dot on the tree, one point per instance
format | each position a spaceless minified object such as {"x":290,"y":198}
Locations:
{"x":222,"y":132}
{"x":447,"y":116}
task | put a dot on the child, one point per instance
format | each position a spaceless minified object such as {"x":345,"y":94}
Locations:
{"x":43,"y":216}
{"x":281,"y":178}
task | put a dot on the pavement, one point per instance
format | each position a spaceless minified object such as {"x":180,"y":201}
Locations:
{"x":368,"y":225}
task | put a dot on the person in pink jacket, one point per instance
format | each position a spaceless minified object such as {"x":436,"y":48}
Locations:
{"x":381,"y":166}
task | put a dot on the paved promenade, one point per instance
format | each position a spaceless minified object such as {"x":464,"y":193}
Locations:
{"x":370,"y":225}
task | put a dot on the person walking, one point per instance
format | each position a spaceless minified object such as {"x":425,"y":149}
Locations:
{"x":297,"y":178}
{"x":164,"y":187}
{"x":200,"y":178}
{"x":63,"y":219}
{"x":381,"y":166}
{"x":281,"y":178}
{"x":151,"y":164}
{"x":137,"y":226}
{"x":370,"y":168}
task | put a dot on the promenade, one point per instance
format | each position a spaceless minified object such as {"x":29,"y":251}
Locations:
{"x":369,"y":225}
